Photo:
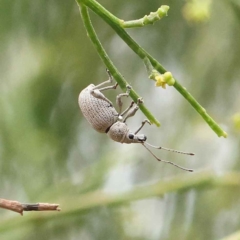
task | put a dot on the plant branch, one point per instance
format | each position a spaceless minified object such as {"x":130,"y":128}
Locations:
{"x":81,"y":202}
{"x":109,"y":64}
{"x":147,"y":19}
{"x":20,"y":207}
{"x":176,"y":184}
{"x":115,"y":23}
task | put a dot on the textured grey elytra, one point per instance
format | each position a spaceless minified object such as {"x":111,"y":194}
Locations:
{"x":99,"y":113}
{"x":103,"y":117}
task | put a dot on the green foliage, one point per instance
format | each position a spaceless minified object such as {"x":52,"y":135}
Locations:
{"x":48,"y":153}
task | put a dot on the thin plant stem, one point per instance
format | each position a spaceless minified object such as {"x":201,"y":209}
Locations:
{"x":147,"y":19}
{"x":109,"y":64}
{"x":115,"y":23}
{"x":80,"y":203}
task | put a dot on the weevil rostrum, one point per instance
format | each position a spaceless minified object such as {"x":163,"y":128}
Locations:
{"x":103,"y":117}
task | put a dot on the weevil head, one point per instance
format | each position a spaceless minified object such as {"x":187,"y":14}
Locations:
{"x":120,"y":132}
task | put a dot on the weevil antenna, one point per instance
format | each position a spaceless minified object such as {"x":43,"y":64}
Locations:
{"x":160,"y":160}
{"x":170,"y":150}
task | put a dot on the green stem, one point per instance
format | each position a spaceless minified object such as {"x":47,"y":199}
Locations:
{"x":109,"y":64}
{"x":79,"y":203}
{"x":149,"y":67}
{"x":147,"y":19}
{"x":115,"y":23}
{"x":215,"y":127}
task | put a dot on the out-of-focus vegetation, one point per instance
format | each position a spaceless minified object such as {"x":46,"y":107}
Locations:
{"x":49,"y":153}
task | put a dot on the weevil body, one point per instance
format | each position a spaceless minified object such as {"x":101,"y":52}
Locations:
{"x":98,"y":112}
{"x":103,"y":117}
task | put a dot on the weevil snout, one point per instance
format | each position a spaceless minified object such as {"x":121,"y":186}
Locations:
{"x":137,"y":137}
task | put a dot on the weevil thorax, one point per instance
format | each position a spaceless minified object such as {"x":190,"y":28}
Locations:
{"x":99,"y":113}
{"x":120,"y":132}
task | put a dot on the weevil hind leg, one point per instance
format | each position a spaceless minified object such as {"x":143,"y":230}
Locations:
{"x":110,"y":80}
{"x":97,"y":94}
{"x":108,"y":87}
{"x":96,"y":91}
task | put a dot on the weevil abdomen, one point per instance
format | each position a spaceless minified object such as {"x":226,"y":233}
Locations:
{"x":99,"y":113}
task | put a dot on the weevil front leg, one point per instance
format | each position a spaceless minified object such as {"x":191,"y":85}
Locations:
{"x":131,"y":112}
{"x":143,"y":123}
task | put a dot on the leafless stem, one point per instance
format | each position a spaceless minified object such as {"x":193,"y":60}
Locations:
{"x":20,"y":207}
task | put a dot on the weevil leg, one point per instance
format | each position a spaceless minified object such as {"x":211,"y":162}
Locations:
{"x":126,"y":110}
{"x":103,"y":83}
{"x":132,"y":110}
{"x":96,"y":91}
{"x":119,"y":99}
{"x":97,"y":94}
{"x":143,"y":123}
{"x":110,"y":80}
{"x":139,"y":101}
{"x":108,"y":87}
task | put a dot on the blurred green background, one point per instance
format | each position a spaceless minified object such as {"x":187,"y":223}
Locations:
{"x":49,"y":153}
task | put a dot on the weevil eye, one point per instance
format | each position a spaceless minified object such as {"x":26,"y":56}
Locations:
{"x":131,"y":136}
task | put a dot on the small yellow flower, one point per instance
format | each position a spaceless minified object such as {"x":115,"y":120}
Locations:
{"x":160,"y":81}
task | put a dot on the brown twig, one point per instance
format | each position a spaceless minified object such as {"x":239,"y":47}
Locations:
{"x":20,"y":207}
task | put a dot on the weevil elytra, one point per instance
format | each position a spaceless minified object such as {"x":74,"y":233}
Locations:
{"x":103,"y":117}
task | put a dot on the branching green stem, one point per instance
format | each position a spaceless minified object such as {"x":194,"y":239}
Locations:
{"x":115,"y":23}
{"x":147,"y":19}
{"x":161,"y":79}
{"x":109,"y":64}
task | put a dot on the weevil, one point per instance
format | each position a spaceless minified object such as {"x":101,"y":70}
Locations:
{"x":104,"y":118}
